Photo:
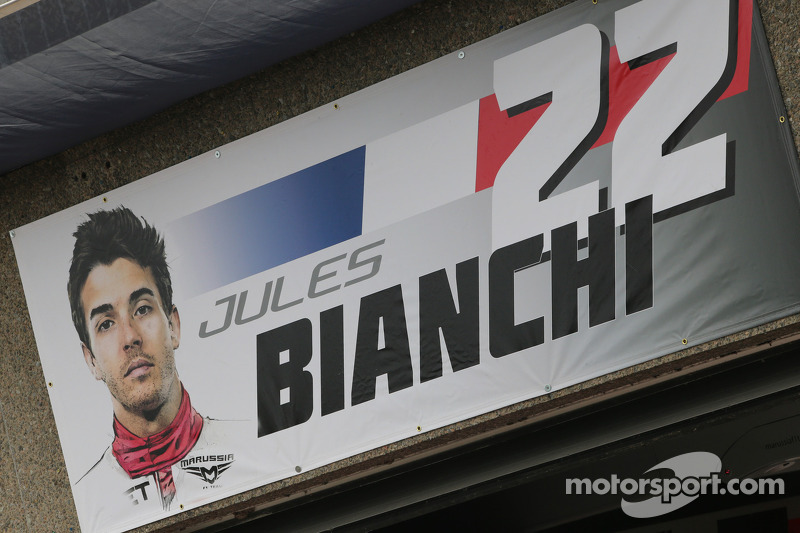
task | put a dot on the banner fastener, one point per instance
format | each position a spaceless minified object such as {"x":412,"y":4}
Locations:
{"x":336,"y":106}
{"x":782,"y":119}
{"x":684,"y":342}
{"x":12,"y":233}
{"x":49,"y":383}
{"x":217,"y":154}
{"x":419,"y":428}
{"x":548,"y":388}
{"x":298,"y":469}
{"x":461,"y":54}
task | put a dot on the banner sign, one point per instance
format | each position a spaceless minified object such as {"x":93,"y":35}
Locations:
{"x":588,"y":191}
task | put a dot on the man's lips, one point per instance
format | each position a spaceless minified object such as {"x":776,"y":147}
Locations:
{"x":137,"y":368}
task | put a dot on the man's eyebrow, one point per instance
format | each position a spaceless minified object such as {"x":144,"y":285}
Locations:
{"x":99,"y":310}
{"x":138,"y":293}
{"x":135,"y":295}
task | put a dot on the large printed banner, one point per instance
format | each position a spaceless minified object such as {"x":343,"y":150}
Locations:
{"x":590,"y":190}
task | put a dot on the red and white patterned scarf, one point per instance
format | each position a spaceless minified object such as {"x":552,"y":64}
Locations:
{"x":156,"y":454}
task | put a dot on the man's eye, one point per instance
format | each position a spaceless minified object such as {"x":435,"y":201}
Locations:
{"x":104,"y":325}
{"x":142,"y":310}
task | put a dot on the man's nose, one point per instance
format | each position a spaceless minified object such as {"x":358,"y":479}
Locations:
{"x":131,"y":336}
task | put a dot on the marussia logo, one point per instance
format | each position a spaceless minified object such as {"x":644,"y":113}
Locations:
{"x":209,"y":475}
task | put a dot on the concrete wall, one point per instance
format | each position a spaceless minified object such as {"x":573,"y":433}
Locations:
{"x":34,"y":489}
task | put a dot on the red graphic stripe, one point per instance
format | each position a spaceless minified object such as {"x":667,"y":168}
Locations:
{"x":741,"y":77}
{"x":625,"y":87}
{"x":498,"y":136}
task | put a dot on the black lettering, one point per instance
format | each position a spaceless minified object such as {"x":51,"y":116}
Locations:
{"x":139,"y":487}
{"x":505,"y":336}
{"x":394,"y":359}
{"x":639,"y":255}
{"x":596,"y":271}
{"x":272,"y":377}
{"x":460,"y":329}
{"x":331,"y":327}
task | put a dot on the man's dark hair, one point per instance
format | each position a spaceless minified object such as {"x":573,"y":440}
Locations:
{"x":106,"y":237}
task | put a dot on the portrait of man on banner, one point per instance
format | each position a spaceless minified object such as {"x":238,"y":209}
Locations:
{"x":163,"y":451}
